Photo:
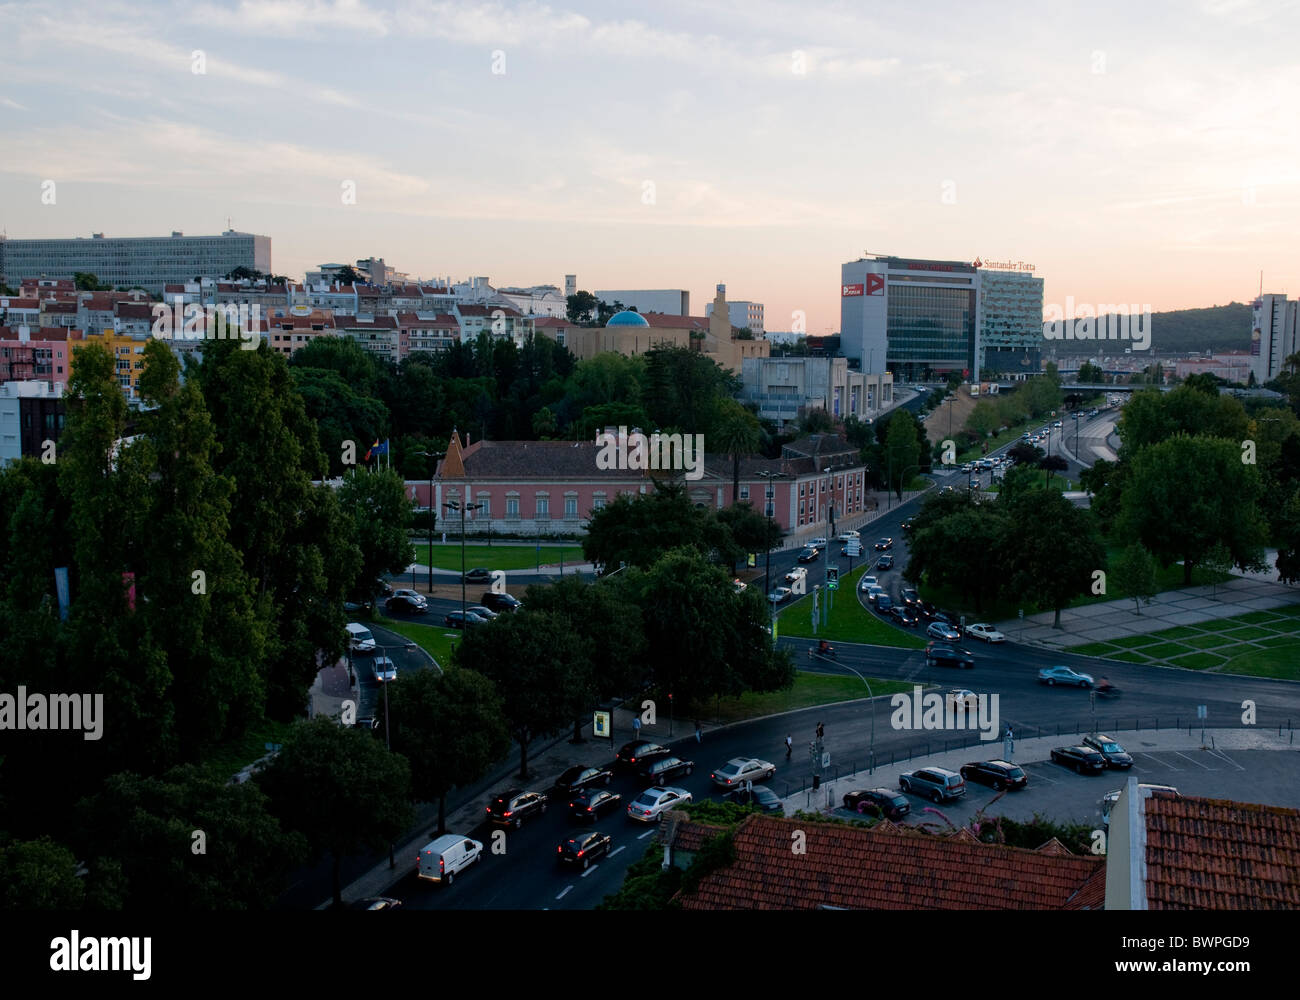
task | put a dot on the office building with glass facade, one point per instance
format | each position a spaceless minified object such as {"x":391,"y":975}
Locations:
{"x":1011,"y":321}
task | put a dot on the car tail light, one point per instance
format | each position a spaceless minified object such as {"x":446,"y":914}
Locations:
{"x":581,"y":853}
{"x":442,"y":866}
{"x":647,"y":812}
{"x":588,"y":808}
{"x":559,"y":849}
{"x":506,"y":813}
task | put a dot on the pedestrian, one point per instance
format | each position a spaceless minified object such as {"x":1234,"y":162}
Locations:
{"x":636,"y":727}
{"x":789,"y":746}
{"x":699,"y":735}
{"x":821,"y":730}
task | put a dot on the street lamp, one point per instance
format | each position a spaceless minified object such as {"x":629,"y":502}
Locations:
{"x":872,"y":699}
{"x":769,"y":508}
{"x":901,"y":479}
{"x":388,"y":729}
{"x":462,"y":507}
{"x":432,"y":467}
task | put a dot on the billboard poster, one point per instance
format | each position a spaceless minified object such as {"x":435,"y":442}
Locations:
{"x":847,"y":291}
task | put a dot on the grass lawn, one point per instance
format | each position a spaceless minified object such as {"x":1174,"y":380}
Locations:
{"x":1131,"y":658}
{"x":228,"y":760}
{"x":1205,"y":641}
{"x":1133,"y":641}
{"x":1278,"y":661}
{"x":433,"y":639}
{"x":502,"y":555}
{"x":809,"y":689}
{"x":849,"y":621}
{"x":1197,"y":661}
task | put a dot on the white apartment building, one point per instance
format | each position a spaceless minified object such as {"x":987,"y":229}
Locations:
{"x":743,"y":314}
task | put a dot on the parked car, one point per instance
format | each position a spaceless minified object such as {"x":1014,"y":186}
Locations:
{"x":408,"y":601}
{"x":631,"y":754}
{"x":580,"y":777}
{"x":884,"y":544}
{"x":588,"y":806}
{"x":441,"y":860}
{"x":885,"y":563}
{"x":1084,"y":760}
{"x":500,"y":603}
{"x":385,"y":669}
{"x":513,"y":807}
{"x":867,"y":582}
{"x":1116,"y":756}
{"x":583,"y":848}
{"x":759,"y":796}
{"x":904,"y":615}
{"x":647,"y":806}
{"x":986,"y":632}
{"x":1063,"y":675}
{"x":478,"y":575}
{"x":738,"y":770}
{"x":780,"y":595}
{"x":938,"y":630}
{"x":457,"y":619}
{"x":997,"y":774}
{"x":658,"y":771}
{"x":941,"y":655}
{"x":934,"y":783}
{"x":487,"y":614}
{"x":910,"y":597}
{"x":878,"y":802}
{"x":809,"y":554}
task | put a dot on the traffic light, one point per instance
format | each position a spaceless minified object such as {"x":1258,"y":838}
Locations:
{"x":833,"y":577}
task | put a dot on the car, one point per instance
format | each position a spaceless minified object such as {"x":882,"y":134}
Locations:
{"x":974,"y":484}
{"x":587,"y":807}
{"x":944,"y":617}
{"x":458,"y":619}
{"x":926,"y":609}
{"x":962,"y":697}
{"x":819,"y":543}
{"x":739,"y":585}
{"x":940,"y":630}
{"x":967,"y":467}
{"x":986,"y":632}
{"x":884,"y":544}
{"x":848,"y":536}
{"x":941,"y":655}
{"x":385,"y":669}
{"x":760,"y":797}
{"x":906,"y":525}
{"x":797,"y":573}
{"x":997,"y":774}
{"x":360,"y":638}
{"x":500,"y":603}
{"x":809,"y":554}
{"x":738,"y":770}
{"x":631,"y":754}
{"x":486,"y":614}
{"x":1063,"y":675}
{"x":1084,"y":760}
{"x":478,"y":574}
{"x":376,"y":903}
{"x":910,"y":597}
{"x":369,"y":723}
{"x":780,"y":595}
{"x":867,"y":582}
{"x":408,"y":601}
{"x":877,"y":802}
{"x":580,"y":777}
{"x":935,"y":783}
{"x":512,"y":807}
{"x":583,"y":848}
{"x":884,"y":604}
{"x":1115,"y":755}
{"x":885,"y":563}
{"x":874,"y":593}
{"x":1056,"y":423}
{"x":657,"y":771}
{"x":441,"y":860}
{"x":647,"y":806}
{"x":1156,"y":791}
{"x":904,"y":615}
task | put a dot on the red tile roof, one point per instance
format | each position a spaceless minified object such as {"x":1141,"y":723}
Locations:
{"x":889,"y":868}
{"x":133,"y":310}
{"x":663,"y":322}
{"x":1209,"y":854}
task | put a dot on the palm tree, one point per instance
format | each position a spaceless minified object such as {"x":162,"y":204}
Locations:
{"x":737,"y":433}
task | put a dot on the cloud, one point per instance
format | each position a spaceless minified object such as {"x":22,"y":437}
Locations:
{"x":294,"y":18}
{"x":9,"y":102}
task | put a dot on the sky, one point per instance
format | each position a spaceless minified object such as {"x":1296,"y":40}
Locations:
{"x":1145,"y":153}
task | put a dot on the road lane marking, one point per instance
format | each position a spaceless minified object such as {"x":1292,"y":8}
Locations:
{"x":1220,"y":753}
{"x":644,"y":835}
{"x":589,"y":871}
{"x":1194,"y":760}
{"x":565,"y":892}
{"x":1163,"y":763}
{"x":616,"y":850}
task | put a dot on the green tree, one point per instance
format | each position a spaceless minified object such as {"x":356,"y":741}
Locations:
{"x":87,"y":282}
{"x":983,"y":419}
{"x":1050,"y":550}
{"x":1135,"y":575}
{"x":449,"y":726}
{"x":956,"y":544}
{"x":341,"y":789}
{"x":579,"y":307}
{"x":39,"y":875}
{"x":903,"y":451}
{"x":639,"y":529}
{"x":381,"y":513}
{"x":347,"y":275}
{"x":736,"y":434}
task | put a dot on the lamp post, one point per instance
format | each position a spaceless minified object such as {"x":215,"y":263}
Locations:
{"x":769,"y":508}
{"x":901,"y":479}
{"x":872,"y":698}
{"x":432,"y":467}
{"x":462,"y":507}
{"x":388,"y":729}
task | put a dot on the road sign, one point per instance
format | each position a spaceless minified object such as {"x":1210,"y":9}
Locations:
{"x":1201,"y":712}
{"x":600,"y":724}
{"x":826,"y":759}
{"x":854,"y":548}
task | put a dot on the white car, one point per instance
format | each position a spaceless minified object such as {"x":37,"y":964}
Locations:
{"x":848,"y":536}
{"x":986,"y":632}
{"x":385,"y":669}
{"x":819,"y":543}
{"x":868,"y":582}
{"x":796,"y":574}
{"x":739,"y":585}
{"x":779,"y":595}
{"x":735,"y":772}
{"x":963,"y":696}
{"x":647,"y":806}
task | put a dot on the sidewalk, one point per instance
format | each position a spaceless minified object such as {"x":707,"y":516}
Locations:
{"x":1110,"y":620}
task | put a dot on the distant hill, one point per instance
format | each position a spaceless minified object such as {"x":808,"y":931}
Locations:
{"x":1216,"y":328}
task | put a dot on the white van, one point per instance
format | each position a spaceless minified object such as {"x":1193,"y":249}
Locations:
{"x":442,"y":859}
{"x":359,"y":638}
{"x":798,"y":573}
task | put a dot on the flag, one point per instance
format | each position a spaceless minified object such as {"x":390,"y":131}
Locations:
{"x":372,"y":450}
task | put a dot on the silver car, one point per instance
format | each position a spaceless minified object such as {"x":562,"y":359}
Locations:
{"x":647,"y":806}
{"x":1063,"y":675}
{"x":735,"y":772}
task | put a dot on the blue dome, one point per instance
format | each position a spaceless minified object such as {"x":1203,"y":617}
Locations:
{"x":627,"y":318}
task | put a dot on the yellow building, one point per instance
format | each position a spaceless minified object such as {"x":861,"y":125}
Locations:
{"x":128,"y":354}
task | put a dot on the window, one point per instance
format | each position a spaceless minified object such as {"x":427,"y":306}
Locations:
{"x":512,"y":507}
{"x":543,"y":507}
{"x":744,"y":493}
{"x":571,"y":507}
{"x":485,"y":506}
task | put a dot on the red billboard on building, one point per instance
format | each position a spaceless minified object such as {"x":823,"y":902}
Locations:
{"x":846,"y":291}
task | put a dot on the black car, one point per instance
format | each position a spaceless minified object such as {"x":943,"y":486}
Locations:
{"x":401,"y":602}
{"x":997,"y":774}
{"x":1116,"y":756}
{"x":878,"y":802}
{"x":588,"y":806}
{"x":904,"y":615}
{"x":513,"y":807}
{"x":500,"y":603}
{"x":906,"y":526}
{"x":911,"y":598}
{"x":580,"y":776}
{"x":947,"y":617}
{"x":809,"y":554}
{"x":478,"y":575}
{"x":630,"y":755}
{"x":582,"y":848}
{"x":461,"y":620}
{"x":940,"y":655}
{"x":885,"y":562}
{"x":760,"y":797}
{"x":926,"y":609}
{"x":1084,"y":760}
{"x":661,"y":770}
{"x":884,"y":544}
{"x":376,"y":903}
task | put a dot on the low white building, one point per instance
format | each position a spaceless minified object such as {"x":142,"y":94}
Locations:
{"x":783,"y":387}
